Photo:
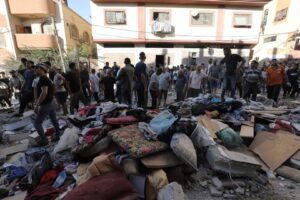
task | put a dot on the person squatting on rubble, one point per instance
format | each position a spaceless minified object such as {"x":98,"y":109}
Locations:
{"x":45,"y":105}
{"x":231,"y":62}
{"x":73,"y":83}
{"x":275,"y":78}
{"x":252,"y":79}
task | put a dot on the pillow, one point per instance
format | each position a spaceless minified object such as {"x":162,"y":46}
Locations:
{"x":122,"y":120}
{"x":133,"y":142}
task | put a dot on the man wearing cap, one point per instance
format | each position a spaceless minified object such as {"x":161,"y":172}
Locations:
{"x":251,"y":78}
{"x":275,"y":78}
{"x":45,"y":105}
{"x":141,"y":85}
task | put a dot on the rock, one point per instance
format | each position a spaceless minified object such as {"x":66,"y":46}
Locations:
{"x":214,"y":192}
{"x":240,"y":191}
{"x":172,"y":191}
{"x":230,"y":196}
{"x":203,"y":184}
{"x":231,"y":191}
{"x":291,"y":187}
{"x":217,"y":182}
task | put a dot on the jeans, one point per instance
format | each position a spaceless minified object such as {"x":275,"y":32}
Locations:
{"x":126,"y":96}
{"x":273,"y":92}
{"x":44,"y":111}
{"x":74,"y":100}
{"x":239,"y":87}
{"x":163,"y":95}
{"x":295,"y":88}
{"x":179,"y":94}
{"x":86,"y":91}
{"x":96,"y":96}
{"x":251,"y":89}
{"x":154,"y":97}
{"x":25,"y":98}
{"x":229,"y":82}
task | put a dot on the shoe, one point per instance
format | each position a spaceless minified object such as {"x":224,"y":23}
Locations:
{"x":55,"y":139}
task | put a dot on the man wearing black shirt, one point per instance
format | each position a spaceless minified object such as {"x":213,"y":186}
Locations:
{"x":74,"y":86}
{"x":293,"y":75}
{"x":231,"y":62}
{"x":45,"y":105}
{"x":108,"y":82}
{"x":141,"y":85}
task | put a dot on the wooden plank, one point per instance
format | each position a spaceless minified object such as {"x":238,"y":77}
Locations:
{"x":247,"y":131}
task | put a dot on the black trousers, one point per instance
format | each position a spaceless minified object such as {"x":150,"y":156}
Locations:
{"x":251,"y":89}
{"x":295,"y":87}
{"x":24,"y":100}
{"x":239,"y":87}
{"x":179,"y":94}
{"x":154,"y":97}
{"x":109,"y":95}
{"x":194,"y":92}
{"x":141,"y":98}
{"x":96,"y":96}
{"x":273,"y":92}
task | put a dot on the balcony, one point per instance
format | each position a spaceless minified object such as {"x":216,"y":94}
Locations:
{"x":32,"y":8}
{"x":35,"y":41}
{"x":162,"y":28}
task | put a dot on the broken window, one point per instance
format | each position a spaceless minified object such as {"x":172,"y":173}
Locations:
{"x":115,"y":17}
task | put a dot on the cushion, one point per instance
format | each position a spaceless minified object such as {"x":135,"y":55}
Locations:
{"x":133,"y":142}
{"x":122,"y":120}
{"x":111,"y":185}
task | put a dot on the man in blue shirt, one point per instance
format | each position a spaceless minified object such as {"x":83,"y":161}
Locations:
{"x":141,"y":85}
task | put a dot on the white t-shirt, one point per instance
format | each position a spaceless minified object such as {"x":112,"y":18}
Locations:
{"x":164,"y":80}
{"x":58,"y":81}
{"x":35,"y":82}
{"x":196,"y":79}
{"x":94,"y":82}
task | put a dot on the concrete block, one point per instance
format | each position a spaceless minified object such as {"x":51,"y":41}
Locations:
{"x":218,"y":183}
{"x":214,"y":192}
{"x":240,"y":191}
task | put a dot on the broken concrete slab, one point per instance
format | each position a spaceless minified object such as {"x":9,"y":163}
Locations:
{"x":14,"y":149}
{"x":267,"y":144}
{"x":214,"y":191}
{"x":9,"y":136}
{"x":18,"y":125}
{"x":289,"y":173}
{"x":217,"y":183}
{"x":229,"y":162}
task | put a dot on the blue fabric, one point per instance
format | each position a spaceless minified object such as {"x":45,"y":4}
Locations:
{"x":162,"y":122}
{"x":60,"y":179}
{"x":15,"y":172}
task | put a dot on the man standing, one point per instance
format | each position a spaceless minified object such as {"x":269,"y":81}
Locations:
{"x":73,"y":83}
{"x":293,"y":75}
{"x":195,"y":81}
{"x":215,"y":72}
{"x":108,"y":82}
{"x":231,"y":62}
{"x":27,"y":90}
{"x":95,"y":82}
{"x":180,"y":85}
{"x":275,"y":78}
{"x":164,"y":84}
{"x":85,"y":80}
{"x":60,"y":91}
{"x":45,"y":105}
{"x":125,"y":78}
{"x":252,"y":78}
{"x":115,"y":69}
{"x":15,"y":84}
{"x":106,"y":67}
{"x":141,"y":81}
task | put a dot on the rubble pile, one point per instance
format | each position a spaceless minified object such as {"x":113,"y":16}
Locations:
{"x":110,"y":151}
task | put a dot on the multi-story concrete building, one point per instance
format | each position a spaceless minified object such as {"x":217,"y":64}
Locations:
{"x":173,"y":32}
{"x":28,"y":25}
{"x":280,"y":30}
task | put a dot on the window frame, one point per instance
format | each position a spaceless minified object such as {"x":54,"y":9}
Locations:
{"x":71,"y":35}
{"x":88,"y":35}
{"x":162,"y":11}
{"x":115,"y":10}
{"x":242,"y":26}
{"x":203,"y":12}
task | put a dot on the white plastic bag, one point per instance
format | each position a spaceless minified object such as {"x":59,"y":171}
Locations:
{"x":68,"y":140}
{"x":201,"y":137}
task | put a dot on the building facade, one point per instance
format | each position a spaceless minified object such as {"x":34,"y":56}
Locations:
{"x":29,"y":25}
{"x":174,"y":32}
{"x":280,"y":31}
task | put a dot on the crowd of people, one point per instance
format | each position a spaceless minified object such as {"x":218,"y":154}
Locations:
{"x":41,"y":87}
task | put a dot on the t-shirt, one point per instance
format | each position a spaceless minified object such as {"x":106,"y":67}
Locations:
{"x":45,"y":81}
{"x":85,"y":77}
{"x":252,"y":75}
{"x":231,"y":62}
{"x":214,"y":71}
{"x":94,"y":82}
{"x":140,"y":68}
{"x":58,"y":81}
{"x":154,"y":82}
{"x":292,"y":74}
{"x":108,"y":83}
{"x":15,"y":82}
{"x":35,"y":82}
{"x":196,"y":79}
{"x":180,"y":82}
{"x":125,"y":77}
{"x":73,"y":77}
{"x":275,"y":76}
{"x":29,"y":75}
{"x":164,"y":81}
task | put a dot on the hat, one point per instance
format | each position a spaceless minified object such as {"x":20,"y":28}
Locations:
{"x":42,"y":66}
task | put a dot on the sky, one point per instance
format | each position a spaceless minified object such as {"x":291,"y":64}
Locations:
{"x":82,"y":7}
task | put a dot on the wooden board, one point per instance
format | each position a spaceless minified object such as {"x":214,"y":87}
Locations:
{"x":212,"y":125}
{"x":247,"y":131}
{"x":275,"y":149}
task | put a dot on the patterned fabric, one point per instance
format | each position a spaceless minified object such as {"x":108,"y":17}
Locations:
{"x":132,"y":141}
{"x":122,"y":120}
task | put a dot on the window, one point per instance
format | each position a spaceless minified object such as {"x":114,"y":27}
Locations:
{"x":270,"y":39}
{"x":242,"y":21}
{"x":115,"y":17}
{"x":202,"y":18}
{"x":281,"y":15}
{"x":27,"y":29}
{"x":161,"y":16}
{"x":297,"y":44}
{"x":86,"y":38}
{"x":74,"y":33}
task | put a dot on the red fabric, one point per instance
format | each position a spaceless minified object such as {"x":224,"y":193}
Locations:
{"x":51,"y":175}
{"x":44,"y":191}
{"x":84,"y":110}
{"x":122,"y":120}
{"x":111,"y":185}
{"x":89,"y":136}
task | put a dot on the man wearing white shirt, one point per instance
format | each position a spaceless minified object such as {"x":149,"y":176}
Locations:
{"x":94,"y":79}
